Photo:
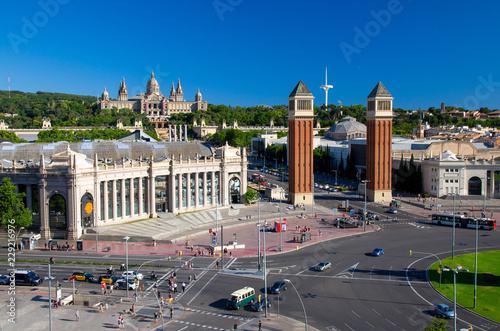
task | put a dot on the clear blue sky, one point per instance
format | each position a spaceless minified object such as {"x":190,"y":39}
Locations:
{"x":250,"y":52}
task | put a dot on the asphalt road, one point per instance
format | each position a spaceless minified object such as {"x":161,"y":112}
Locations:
{"x":359,"y":292}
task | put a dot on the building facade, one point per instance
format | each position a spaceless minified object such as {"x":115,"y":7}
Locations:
{"x":73,"y":186}
{"x":300,"y":145}
{"x":157,"y":107}
{"x":379,"y":144}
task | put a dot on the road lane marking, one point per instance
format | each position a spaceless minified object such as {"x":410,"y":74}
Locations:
{"x":202,"y":288}
{"x":371,"y":272}
{"x":390,"y":272}
{"x":369,"y":324}
{"x":355,"y":313}
{"x":298,"y":273}
{"x":390,"y":322}
{"x":396,"y":310}
{"x":348,"y":273}
{"x":376,"y":312}
{"x":349,"y":327}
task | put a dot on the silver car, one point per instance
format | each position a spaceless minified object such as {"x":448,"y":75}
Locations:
{"x":322,"y":266}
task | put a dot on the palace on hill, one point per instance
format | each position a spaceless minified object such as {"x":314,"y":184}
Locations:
{"x":155,"y":105}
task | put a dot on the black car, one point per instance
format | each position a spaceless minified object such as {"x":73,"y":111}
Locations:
{"x":260,"y":306}
{"x":278,"y":287}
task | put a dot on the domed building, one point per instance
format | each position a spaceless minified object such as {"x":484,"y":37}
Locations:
{"x":157,"y":107}
{"x":346,"y":129}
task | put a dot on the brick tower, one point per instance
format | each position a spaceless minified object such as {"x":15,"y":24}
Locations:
{"x":379,"y":145}
{"x":300,"y":144}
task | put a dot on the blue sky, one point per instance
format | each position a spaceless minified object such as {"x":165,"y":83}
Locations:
{"x":251,"y":52}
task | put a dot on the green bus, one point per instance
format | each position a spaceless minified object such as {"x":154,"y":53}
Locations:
{"x":241,"y":298}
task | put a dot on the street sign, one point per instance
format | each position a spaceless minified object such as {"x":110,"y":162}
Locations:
{"x":72,"y":278}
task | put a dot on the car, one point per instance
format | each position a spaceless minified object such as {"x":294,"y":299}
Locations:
{"x":84,"y":276}
{"x":278,"y":286}
{"x":373,"y":216}
{"x":132,"y":275}
{"x":108,"y":279}
{"x":4,"y":280}
{"x":322,"y":266}
{"x":121,"y":284}
{"x":260,"y":305}
{"x":378,"y":252}
{"x":392,"y":210}
{"x":326,"y":187}
{"x":443,"y":310}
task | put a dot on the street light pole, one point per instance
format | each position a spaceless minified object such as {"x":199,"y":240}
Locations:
{"x":216,"y":216}
{"x":312,"y":188}
{"x":455,"y":272}
{"x":50,"y":300}
{"x":265,"y":273}
{"x":281,"y":222}
{"x":126,"y":261}
{"x":437,"y":193}
{"x":453,"y":242}
{"x":475,"y":266}
{"x":258,"y":225}
{"x":303,"y":308}
{"x":17,"y":235}
{"x":364,"y":211}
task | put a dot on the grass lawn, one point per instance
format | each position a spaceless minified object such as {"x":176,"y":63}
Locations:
{"x":488,"y":289}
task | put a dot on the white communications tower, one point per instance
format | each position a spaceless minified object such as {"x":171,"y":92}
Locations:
{"x":326,"y":87}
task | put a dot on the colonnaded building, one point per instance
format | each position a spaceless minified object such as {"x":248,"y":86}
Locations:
{"x":73,"y":186}
{"x":157,"y":107}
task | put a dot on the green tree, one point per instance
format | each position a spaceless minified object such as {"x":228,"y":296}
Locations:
{"x":250,"y":196}
{"x":437,"y":325}
{"x":12,"y":209}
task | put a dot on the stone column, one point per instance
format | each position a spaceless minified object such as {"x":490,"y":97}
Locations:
{"x":124,"y":202}
{"x":29,"y":197}
{"x":185,"y":132}
{"x":71,"y":218}
{"x":492,"y":184}
{"x":105,"y":196}
{"x":223,"y":186}
{"x":188,"y":190}
{"x":180,"y":132}
{"x":114,"y":197}
{"x":131,"y":197}
{"x":171,"y":192}
{"x":212,"y":182}
{"x":140,"y":200}
{"x":42,"y":206}
{"x":179,"y":188}
{"x":196,"y":190}
{"x":175,"y":132}
{"x":204,"y":188}
{"x":151,"y":195}
{"x":169,"y":132}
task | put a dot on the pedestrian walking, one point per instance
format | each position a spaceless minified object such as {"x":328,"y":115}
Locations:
{"x":156,"y":317}
{"x":217,"y":264}
{"x":101,"y":307}
{"x":171,"y":312}
{"x":260,"y":325}
{"x":135,"y":297}
{"x":77,"y":315}
{"x":195,"y":278}
{"x":183,"y":287}
{"x":175,"y":287}
{"x":190,"y":278}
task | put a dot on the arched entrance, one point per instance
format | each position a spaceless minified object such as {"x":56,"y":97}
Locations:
{"x":57,"y":215}
{"x":87,"y":208}
{"x":475,"y":186}
{"x":235,"y":190}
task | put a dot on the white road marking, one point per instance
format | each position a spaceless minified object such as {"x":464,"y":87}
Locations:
{"x":369,"y":324}
{"x":202,"y":289}
{"x":347,"y":273}
{"x":390,"y":322}
{"x":396,"y":310}
{"x":349,"y":327}
{"x":390,"y":272}
{"x":376,"y":312}
{"x":355,"y":313}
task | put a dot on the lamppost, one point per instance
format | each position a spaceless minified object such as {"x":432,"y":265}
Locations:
{"x":475,"y":266}
{"x":303,"y":308}
{"x":217,"y":216}
{"x":364,"y":210}
{"x":453,"y":237}
{"x":455,"y":272}
{"x":437,"y":192}
{"x":312,"y":190}
{"x":281,"y":222}
{"x":126,"y":260}
{"x":264,"y":274}
{"x":50,"y":298}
